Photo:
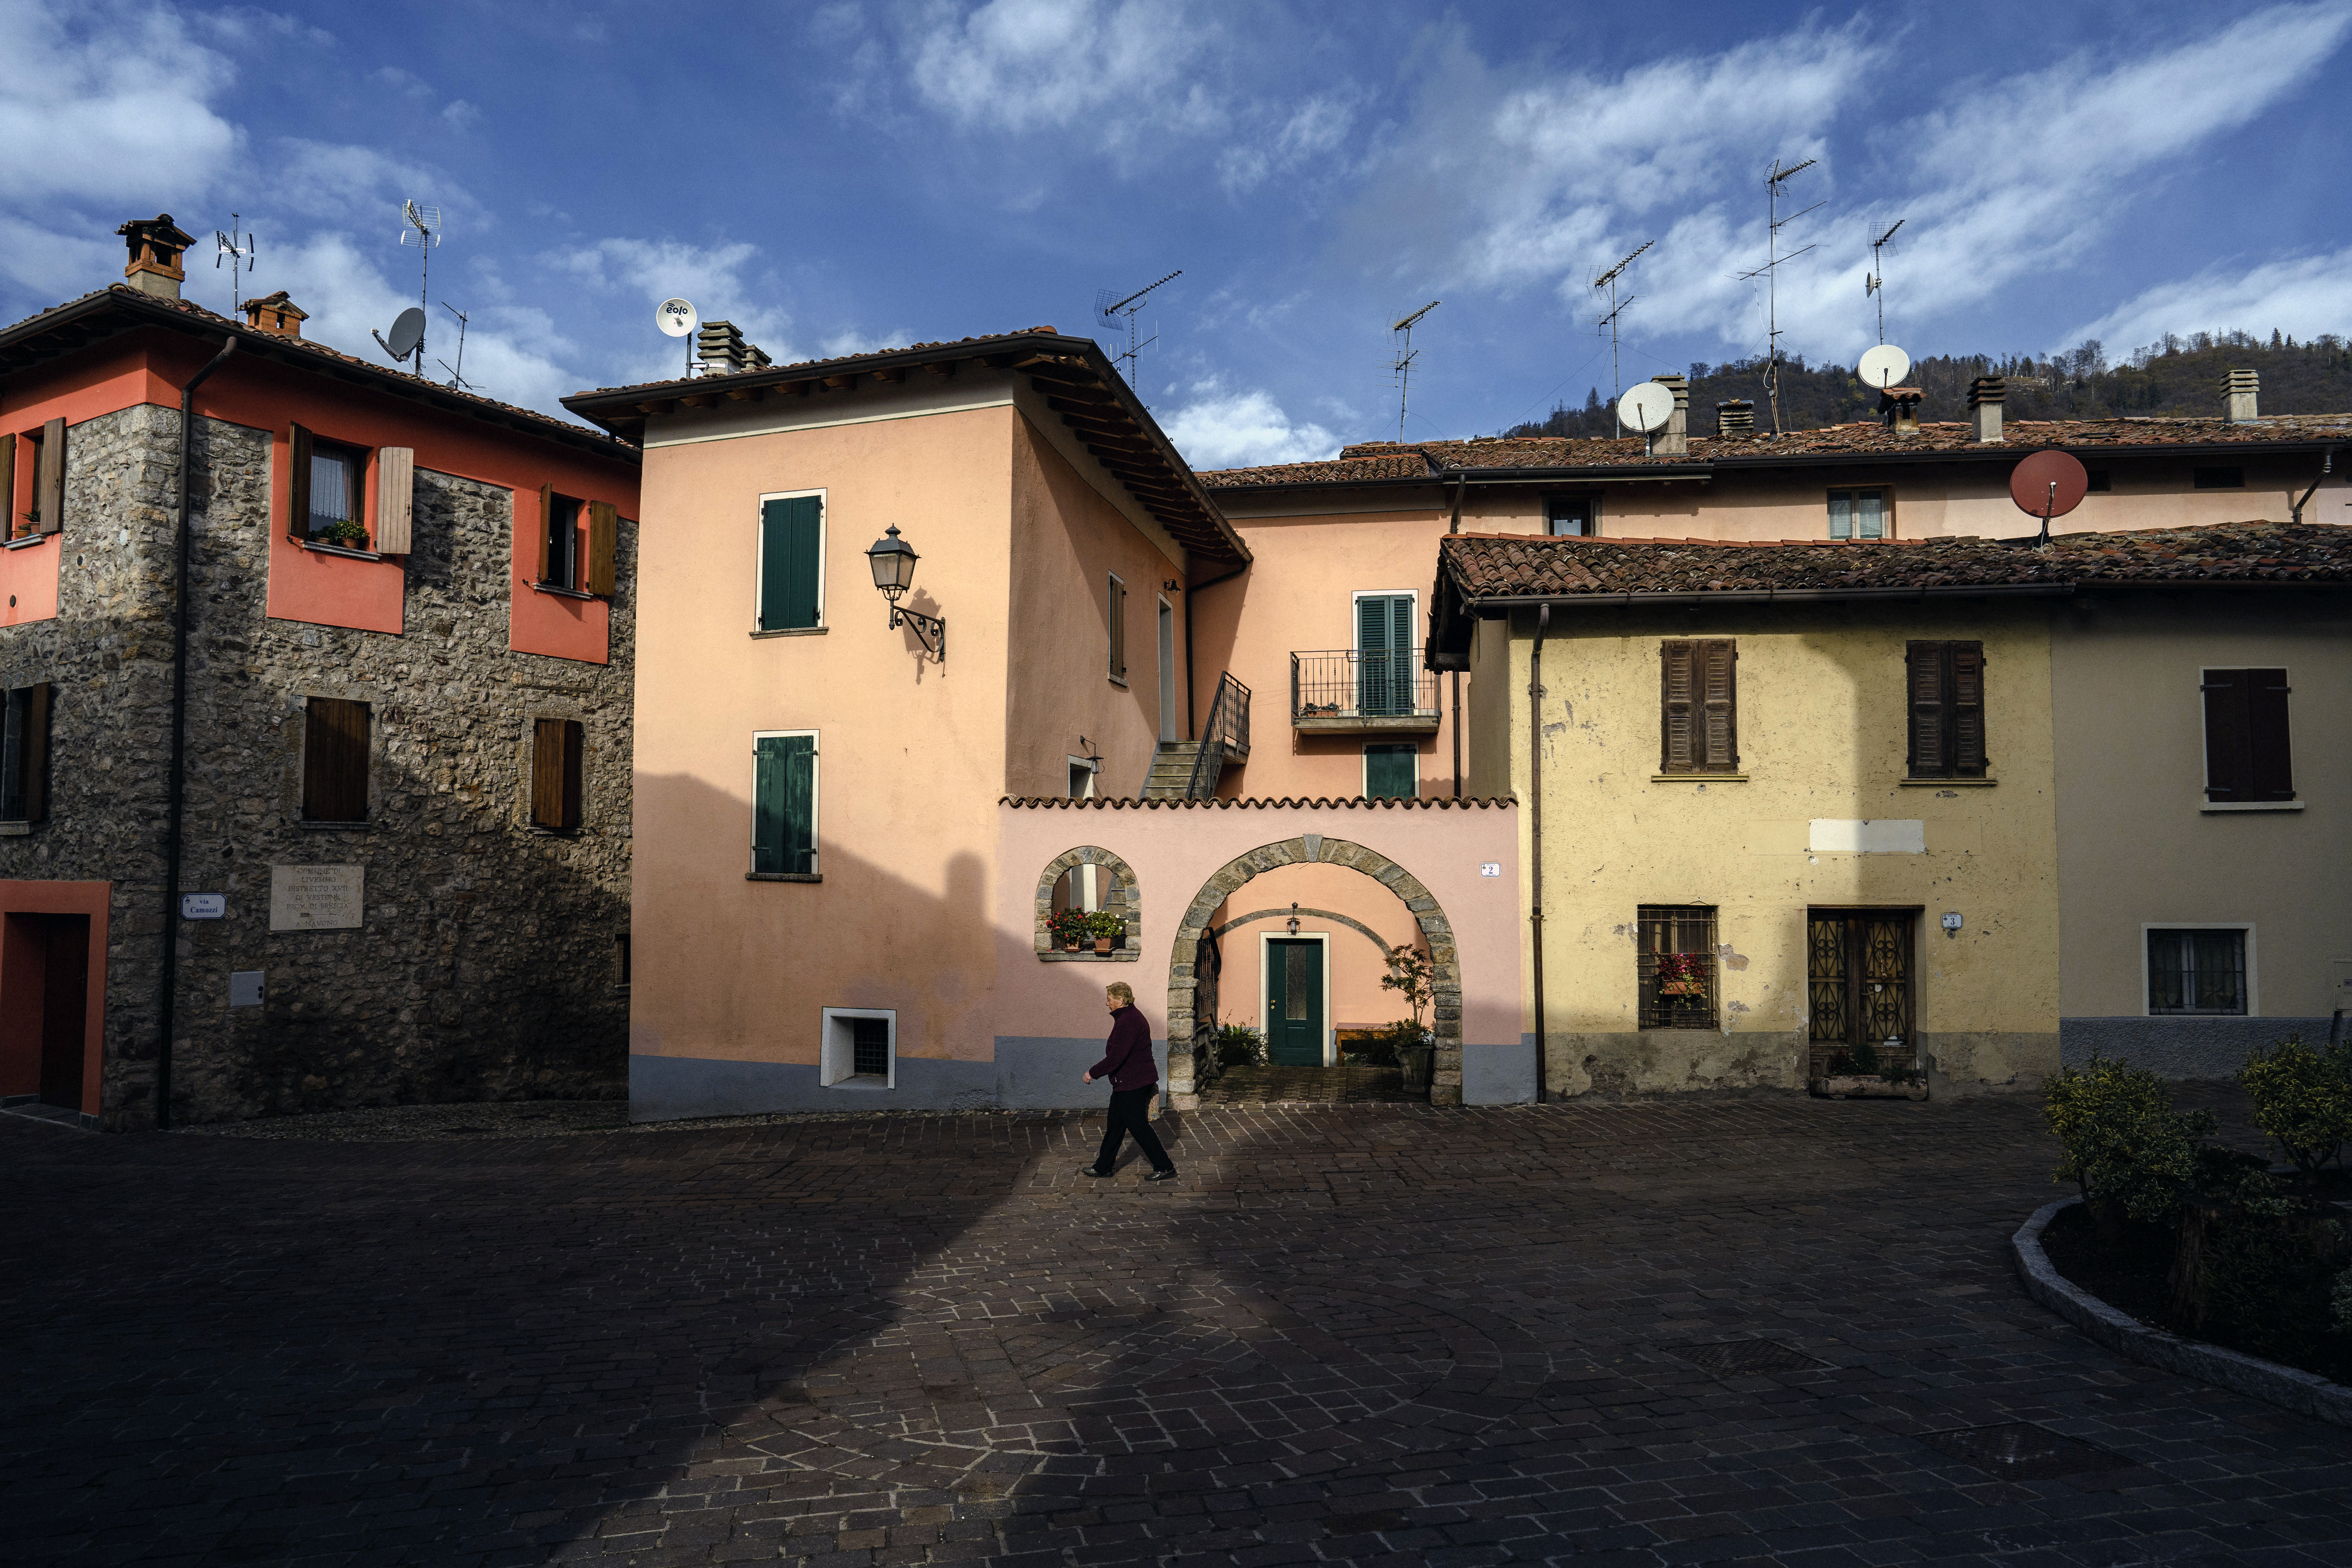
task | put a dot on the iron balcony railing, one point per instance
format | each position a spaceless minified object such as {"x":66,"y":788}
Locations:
{"x":1348,"y":683}
{"x":1226,"y":734}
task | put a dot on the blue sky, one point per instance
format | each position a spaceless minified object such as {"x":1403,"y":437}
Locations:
{"x":834,"y":177}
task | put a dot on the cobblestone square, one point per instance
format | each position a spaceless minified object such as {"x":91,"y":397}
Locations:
{"x":1350,"y":1333}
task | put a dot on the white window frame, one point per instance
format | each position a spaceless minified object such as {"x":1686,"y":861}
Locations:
{"x":1364,"y":771}
{"x":1265,"y":940}
{"x":836,"y":1049}
{"x":760,"y":555}
{"x":816,"y":794}
{"x":1885,"y":510}
{"x":1592,"y":505}
{"x":2253,"y":975}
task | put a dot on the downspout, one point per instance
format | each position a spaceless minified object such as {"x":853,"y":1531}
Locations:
{"x":179,"y":768}
{"x":1454,"y":526}
{"x":1535,"y":791}
{"x":2327,"y":466}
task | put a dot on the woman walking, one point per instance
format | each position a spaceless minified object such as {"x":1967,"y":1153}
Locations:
{"x":1128,"y":1063}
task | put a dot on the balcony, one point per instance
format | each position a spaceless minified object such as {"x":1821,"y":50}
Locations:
{"x":1348,"y":691}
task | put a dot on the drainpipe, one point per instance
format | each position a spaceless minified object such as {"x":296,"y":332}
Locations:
{"x":179,"y":745}
{"x":1454,"y":526}
{"x":1535,"y":789}
{"x":2326,"y":467}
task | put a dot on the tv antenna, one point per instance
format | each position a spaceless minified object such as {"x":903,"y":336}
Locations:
{"x":1874,"y":280}
{"x":233,"y":253}
{"x":457,"y":371}
{"x":1616,"y":307}
{"x":1775,"y":183}
{"x":1401,"y":366}
{"x":1108,"y":313}
{"x":420,"y":225}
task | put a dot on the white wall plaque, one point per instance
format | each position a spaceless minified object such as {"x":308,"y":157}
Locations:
{"x":1871,"y":836}
{"x":315,"y":898}
{"x":203,"y":906}
{"x":1490,"y":868}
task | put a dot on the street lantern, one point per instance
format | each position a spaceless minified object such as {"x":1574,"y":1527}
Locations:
{"x":893,"y":561}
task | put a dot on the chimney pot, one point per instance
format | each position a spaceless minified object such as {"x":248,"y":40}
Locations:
{"x":2239,"y":394}
{"x":720,"y":347}
{"x":1899,"y":407}
{"x":155,"y":245}
{"x":276,"y":314}
{"x":1674,"y":441}
{"x":1986,"y":394}
{"x":1735,"y":417}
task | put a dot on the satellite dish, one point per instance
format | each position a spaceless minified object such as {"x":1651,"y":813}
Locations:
{"x":1884,"y":366}
{"x":1646,"y":407}
{"x":2050,"y":483}
{"x":406,"y":333}
{"x":676,"y":318}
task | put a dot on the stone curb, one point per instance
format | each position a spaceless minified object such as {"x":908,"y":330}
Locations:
{"x":2304,"y":1392}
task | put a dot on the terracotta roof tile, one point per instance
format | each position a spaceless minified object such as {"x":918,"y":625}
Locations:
{"x":1406,"y":464}
{"x":769,"y":372}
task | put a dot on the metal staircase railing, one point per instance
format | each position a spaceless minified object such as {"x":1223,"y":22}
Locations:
{"x":1226,"y":731}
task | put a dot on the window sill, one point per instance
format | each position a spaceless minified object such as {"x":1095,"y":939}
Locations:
{"x":347,"y":554}
{"x":560,"y":591}
{"x":1128,"y":955}
{"x":2211,"y":807}
{"x":1948,"y":783}
{"x":542,"y":830}
{"x":1117,"y":680}
{"x":309,"y":826}
{"x":793,"y":632}
{"x":1698,"y":778}
{"x":784,"y":876}
{"x":29,"y":540}
{"x":2239,"y":1012}
{"x":15,"y":830}
{"x":868,"y":1081}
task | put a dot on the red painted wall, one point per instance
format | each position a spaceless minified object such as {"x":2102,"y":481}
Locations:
{"x":107,"y":379}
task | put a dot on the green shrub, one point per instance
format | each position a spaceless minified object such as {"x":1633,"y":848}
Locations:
{"x":2129,"y":1151}
{"x":2339,"y":1303}
{"x":1102,"y":922}
{"x":2303,"y":1099}
{"x":1239,"y":1046}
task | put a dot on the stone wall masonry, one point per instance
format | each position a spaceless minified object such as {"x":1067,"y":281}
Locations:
{"x":488,"y":964}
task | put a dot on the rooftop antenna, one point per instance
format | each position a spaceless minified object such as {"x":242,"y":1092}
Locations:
{"x":676,"y":318}
{"x":457,"y":371}
{"x":233,"y":253}
{"x":1774,"y":184}
{"x":1401,"y":366}
{"x":1108,"y":313}
{"x":421,"y":226}
{"x":1616,"y":307}
{"x":1874,"y":280}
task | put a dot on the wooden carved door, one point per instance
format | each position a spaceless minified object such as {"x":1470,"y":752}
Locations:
{"x":1860,"y":986}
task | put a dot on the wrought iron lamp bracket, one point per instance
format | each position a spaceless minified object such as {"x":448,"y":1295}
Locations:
{"x":930,"y":630}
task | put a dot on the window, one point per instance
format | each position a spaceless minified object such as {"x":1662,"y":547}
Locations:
{"x":792,"y":561}
{"x":783,"y":805}
{"x":1676,"y":966}
{"x":1082,"y":776}
{"x":2196,"y":971}
{"x":323,"y":493}
{"x":555,"y":757}
{"x":2102,"y":481}
{"x":559,"y":545}
{"x":1118,"y":629}
{"x":1947,"y":725}
{"x":1699,"y":724}
{"x":1572,"y":516}
{"x":43,"y":454}
{"x":335,"y":761}
{"x":2247,"y":757}
{"x":1858,"y":514}
{"x":1391,"y":771}
{"x":25,"y":754}
{"x":1386,"y":655}
{"x":860,"y":1049}
{"x":2231,"y":478}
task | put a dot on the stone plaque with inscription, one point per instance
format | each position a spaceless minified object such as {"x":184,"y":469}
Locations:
{"x":315,"y":898}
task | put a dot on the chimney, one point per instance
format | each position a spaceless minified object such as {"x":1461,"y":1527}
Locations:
{"x":275,"y":314}
{"x":1899,"y":407}
{"x":720,"y":347}
{"x":1735,"y":417}
{"x":1986,"y":394}
{"x":1674,"y":441}
{"x":2237,"y":396}
{"x":155,"y":246}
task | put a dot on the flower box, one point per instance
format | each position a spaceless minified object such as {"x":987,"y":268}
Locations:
{"x":1681,"y":987}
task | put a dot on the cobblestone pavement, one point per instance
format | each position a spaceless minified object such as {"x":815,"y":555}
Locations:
{"x":1366,"y":1334}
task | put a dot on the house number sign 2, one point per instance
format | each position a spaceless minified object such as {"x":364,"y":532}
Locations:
{"x":1490,"y":868}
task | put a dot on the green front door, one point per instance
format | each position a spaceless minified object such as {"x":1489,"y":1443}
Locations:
{"x":1294,"y":1004}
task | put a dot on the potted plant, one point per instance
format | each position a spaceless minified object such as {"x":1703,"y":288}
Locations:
{"x":346,"y":535}
{"x":1869,"y":1071}
{"x":1107,"y":930}
{"x":1413,"y":975}
{"x":1069,"y":928}
{"x":1681,"y":974}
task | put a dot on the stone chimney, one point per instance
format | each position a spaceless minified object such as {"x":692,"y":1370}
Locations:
{"x":155,"y":246}
{"x":1735,"y":417}
{"x":2237,"y":396}
{"x":276,"y":314}
{"x":1899,"y":407}
{"x":1986,"y":394}
{"x":720,"y":347}
{"x":1674,"y":441}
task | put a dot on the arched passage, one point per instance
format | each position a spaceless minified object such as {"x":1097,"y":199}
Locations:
{"x":1314,"y":849}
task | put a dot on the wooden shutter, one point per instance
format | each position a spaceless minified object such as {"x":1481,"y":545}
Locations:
{"x":1118,"y":629}
{"x":298,"y":482}
{"x":790,"y":530}
{"x":1389,"y":772}
{"x":49,"y":482}
{"x":9,"y":522}
{"x":1925,"y":665}
{"x":783,"y":804}
{"x":33,"y":749}
{"x":335,"y":761}
{"x":603,"y":547}
{"x":1676,"y":678}
{"x":1373,"y":645}
{"x":547,"y":774}
{"x":2248,"y":755}
{"x":575,"y":746}
{"x":1968,"y":710}
{"x":1717,"y":744}
{"x":395,"y":498}
{"x":546,"y":562}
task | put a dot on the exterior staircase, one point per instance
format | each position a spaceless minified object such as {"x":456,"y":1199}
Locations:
{"x":1180,"y":771}
{"x":1173,"y":769}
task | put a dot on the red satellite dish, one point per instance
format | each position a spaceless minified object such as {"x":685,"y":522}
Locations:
{"x":2049,"y":484}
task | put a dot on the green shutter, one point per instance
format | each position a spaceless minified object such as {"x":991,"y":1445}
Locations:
{"x":783,"y":804}
{"x":1383,"y":649}
{"x":1388,"y":773}
{"x":788,"y":563}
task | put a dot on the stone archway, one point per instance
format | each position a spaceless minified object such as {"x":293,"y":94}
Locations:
{"x":1125,"y":901}
{"x":1313,"y":849}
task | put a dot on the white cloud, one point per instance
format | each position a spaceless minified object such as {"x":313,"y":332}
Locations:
{"x":110,"y":107}
{"x":1022,"y":65}
{"x":1315,"y":130}
{"x":2302,"y":298}
{"x":1221,"y":429}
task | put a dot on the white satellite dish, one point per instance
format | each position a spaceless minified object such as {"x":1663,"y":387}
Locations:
{"x":1646,"y":407}
{"x":676,"y":318}
{"x":1884,"y":366}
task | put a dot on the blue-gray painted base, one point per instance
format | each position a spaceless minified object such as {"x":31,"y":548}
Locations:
{"x":1499,"y":1074}
{"x":1031,"y":1072}
{"x":2181,"y":1048}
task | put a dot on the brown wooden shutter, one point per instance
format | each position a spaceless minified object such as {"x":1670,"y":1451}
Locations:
{"x":35,"y":752}
{"x":603,"y":547}
{"x":1719,"y":719}
{"x":9,"y":521}
{"x":575,"y":736}
{"x":1923,"y":667}
{"x":335,"y":761}
{"x":2269,"y":772}
{"x":555,"y":772}
{"x":49,"y":482}
{"x":395,"y":498}
{"x":547,"y":534}
{"x":1118,"y":629}
{"x":1676,"y":750}
{"x":2228,"y":755}
{"x":298,"y":482}
{"x":1968,"y":714}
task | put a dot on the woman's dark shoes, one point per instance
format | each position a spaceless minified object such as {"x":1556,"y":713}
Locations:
{"x":1090,"y":1171}
{"x":1167,"y":1175}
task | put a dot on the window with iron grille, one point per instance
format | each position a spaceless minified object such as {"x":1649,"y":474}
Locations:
{"x":1677,"y":966}
{"x":2196,"y":972}
{"x":870,"y":1046}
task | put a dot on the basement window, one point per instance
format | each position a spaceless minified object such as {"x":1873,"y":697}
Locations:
{"x":2219,"y":479}
{"x":860,"y":1049}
